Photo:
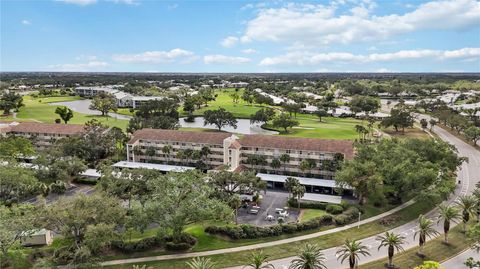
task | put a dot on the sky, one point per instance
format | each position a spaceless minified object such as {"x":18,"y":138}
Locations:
{"x":240,"y":36}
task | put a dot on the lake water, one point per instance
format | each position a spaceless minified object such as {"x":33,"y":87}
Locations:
{"x":243,"y":125}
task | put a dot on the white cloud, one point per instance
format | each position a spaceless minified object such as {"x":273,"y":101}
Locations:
{"x":26,"y":22}
{"x":127,"y":2}
{"x":306,"y":58}
{"x":229,"y":41}
{"x":320,"y":24}
{"x":249,"y":51}
{"x":383,"y":70}
{"x":172,"y":6}
{"x":156,"y":56}
{"x":79,"y":2}
{"x":86,"y":57}
{"x":90,"y":2}
{"x":80,"y":67}
{"x":222,"y":59}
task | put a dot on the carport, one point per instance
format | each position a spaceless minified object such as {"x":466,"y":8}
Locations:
{"x":312,"y":185}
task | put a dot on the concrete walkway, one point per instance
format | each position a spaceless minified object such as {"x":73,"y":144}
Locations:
{"x":468,"y":175}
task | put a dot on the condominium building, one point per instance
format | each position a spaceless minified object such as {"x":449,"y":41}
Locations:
{"x":43,"y":135}
{"x":178,"y":147}
{"x":313,"y":161}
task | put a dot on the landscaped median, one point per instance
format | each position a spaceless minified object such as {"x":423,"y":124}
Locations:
{"x":287,"y":247}
{"x":435,"y":250}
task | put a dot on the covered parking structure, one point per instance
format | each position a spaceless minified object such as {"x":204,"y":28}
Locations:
{"x":159,"y":167}
{"x":316,"y":189}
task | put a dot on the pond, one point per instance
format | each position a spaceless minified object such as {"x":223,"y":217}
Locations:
{"x":83,"y":106}
{"x":243,"y":125}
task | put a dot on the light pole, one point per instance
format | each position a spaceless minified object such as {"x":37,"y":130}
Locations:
{"x":358,"y":224}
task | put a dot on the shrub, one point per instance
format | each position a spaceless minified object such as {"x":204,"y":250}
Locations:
{"x":289,"y":228}
{"x":341,"y":219}
{"x":305,"y":204}
{"x":177,"y":246}
{"x":249,"y":231}
{"x":140,"y":245}
{"x":334,"y":209}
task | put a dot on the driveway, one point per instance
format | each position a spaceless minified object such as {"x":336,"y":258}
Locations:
{"x":270,"y":201}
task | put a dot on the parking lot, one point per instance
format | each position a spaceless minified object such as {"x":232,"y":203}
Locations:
{"x":271,"y":201}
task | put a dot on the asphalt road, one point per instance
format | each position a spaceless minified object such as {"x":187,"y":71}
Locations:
{"x":468,"y":174}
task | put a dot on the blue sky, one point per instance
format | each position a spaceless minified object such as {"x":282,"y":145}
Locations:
{"x":240,"y":36}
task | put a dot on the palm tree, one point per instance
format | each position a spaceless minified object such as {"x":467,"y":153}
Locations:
{"x":425,"y":229}
{"x":447,"y":213}
{"x":166,"y":150}
{"x":476,"y":194}
{"x":310,"y":257}
{"x":201,"y":263}
{"x":290,"y":182}
{"x":352,"y":250}
{"x":204,"y":152}
{"x":393,"y":242}
{"x":467,"y":205}
{"x":235,"y":203}
{"x":285,"y":159}
{"x":258,"y":260}
{"x":298,"y":191}
{"x":432,"y":123}
{"x":275,"y":164}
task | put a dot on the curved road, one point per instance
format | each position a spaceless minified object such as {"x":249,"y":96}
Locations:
{"x":469,"y":174}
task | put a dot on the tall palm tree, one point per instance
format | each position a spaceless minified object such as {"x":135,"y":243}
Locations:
{"x":448,"y":214}
{"x":235,"y":202}
{"x":467,"y":204}
{"x":298,"y":191}
{"x":393,"y":242}
{"x":167,"y":149}
{"x":290,"y":182}
{"x":201,"y":263}
{"x":476,"y":194}
{"x":258,"y":260}
{"x":285,"y":159}
{"x":352,"y":250}
{"x":310,"y":257}
{"x":425,"y":229}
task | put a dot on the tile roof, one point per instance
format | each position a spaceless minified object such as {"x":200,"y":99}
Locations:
{"x":179,"y":136}
{"x":235,"y":145}
{"x":313,"y":144}
{"x":45,"y":128}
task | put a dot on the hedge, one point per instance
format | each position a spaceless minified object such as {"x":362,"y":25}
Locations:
{"x":246,"y":231}
{"x":185,"y":242}
{"x":334,"y":209}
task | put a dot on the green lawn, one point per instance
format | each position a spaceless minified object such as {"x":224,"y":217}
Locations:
{"x":223,"y":100}
{"x":309,"y":214}
{"x":286,"y":250}
{"x":38,"y":109}
{"x":240,"y":110}
{"x":329,"y":128}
